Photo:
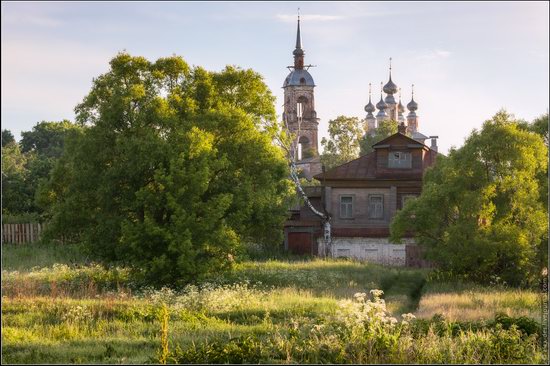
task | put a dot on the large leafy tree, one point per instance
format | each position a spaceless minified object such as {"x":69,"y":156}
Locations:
{"x":385,"y":129}
{"x":343,"y":143}
{"x":175,"y":170}
{"x":480,"y":212}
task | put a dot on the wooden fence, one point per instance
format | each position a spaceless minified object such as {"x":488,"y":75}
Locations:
{"x":21,"y":233}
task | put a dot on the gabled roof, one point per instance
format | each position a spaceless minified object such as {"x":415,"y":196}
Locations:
{"x":364,"y":167}
{"x":399,"y":135}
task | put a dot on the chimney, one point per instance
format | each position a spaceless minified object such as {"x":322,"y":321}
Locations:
{"x":402,"y":128}
{"x":434,"y":142}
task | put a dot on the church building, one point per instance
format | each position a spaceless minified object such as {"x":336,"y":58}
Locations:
{"x":361,"y":196}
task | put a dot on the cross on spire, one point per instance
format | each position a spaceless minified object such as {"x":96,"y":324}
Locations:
{"x":369,"y":91}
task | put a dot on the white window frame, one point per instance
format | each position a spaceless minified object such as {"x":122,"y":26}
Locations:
{"x":348,"y":205}
{"x":399,"y":160}
{"x":372,"y":212}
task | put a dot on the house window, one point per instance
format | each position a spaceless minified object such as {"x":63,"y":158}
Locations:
{"x":407,"y":197}
{"x":346,"y":207}
{"x":376,"y":206}
{"x":399,"y":159}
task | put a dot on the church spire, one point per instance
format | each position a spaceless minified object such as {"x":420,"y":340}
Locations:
{"x":298,"y":51}
{"x":298,"y":36}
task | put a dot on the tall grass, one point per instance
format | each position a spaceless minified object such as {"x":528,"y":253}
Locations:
{"x":363,"y":331}
{"x":60,"y":308}
{"x":24,"y":257}
{"x":480,"y":304}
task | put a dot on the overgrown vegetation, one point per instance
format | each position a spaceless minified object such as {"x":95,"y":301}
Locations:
{"x":280,"y":311}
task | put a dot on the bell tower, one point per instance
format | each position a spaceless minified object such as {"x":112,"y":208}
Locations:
{"x":299,"y":112}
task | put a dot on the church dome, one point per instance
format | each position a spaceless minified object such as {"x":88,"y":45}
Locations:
{"x":412,"y":106}
{"x":369,"y":108}
{"x":390,"y":87}
{"x":389,"y":99}
{"x":299,"y":77}
{"x":381,"y":104}
{"x":298,"y":52}
{"x":400,"y":107}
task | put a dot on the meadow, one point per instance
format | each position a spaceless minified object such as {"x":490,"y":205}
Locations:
{"x":58,"y":307}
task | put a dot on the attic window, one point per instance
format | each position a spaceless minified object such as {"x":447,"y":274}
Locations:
{"x":302,"y":81}
{"x":399,"y":159}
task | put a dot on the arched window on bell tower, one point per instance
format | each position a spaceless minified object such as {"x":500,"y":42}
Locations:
{"x":303,"y":148}
{"x":303,"y":102}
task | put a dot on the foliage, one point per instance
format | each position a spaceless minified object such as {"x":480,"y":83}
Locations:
{"x":17,"y":194}
{"x":480,"y":212}
{"x":539,"y":126}
{"x":47,"y":139}
{"x":174,"y":171}
{"x":7,"y":137}
{"x":25,"y":166}
{"x":385,"y":129}
{"x":21,"y":218}
{"x":343,"y":144}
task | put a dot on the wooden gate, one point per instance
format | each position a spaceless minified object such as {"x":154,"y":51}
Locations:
{"x":300,"y":243}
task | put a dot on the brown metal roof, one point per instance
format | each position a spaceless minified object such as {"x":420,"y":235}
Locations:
{"x":399,"y":135}
{"x":364,"y":167}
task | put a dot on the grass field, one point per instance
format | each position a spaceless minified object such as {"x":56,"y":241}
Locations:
{"x":57,"y":307}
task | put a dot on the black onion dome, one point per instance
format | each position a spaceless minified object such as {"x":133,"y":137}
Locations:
{"x":412,"y":106}
{"x":381,"y":104}
{"x":390,"y":87}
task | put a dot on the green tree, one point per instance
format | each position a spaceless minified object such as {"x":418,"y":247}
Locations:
{"x":7,"y":137}
{"x":480,"y":212}
{"x":343,"y":145}
{"x":36,"y":155}
{"x":538,"y":126}
{"x":17,"y":196}
{"x":47,"y":139}
{"x":175,"y":170}
{"x":385,"y":129}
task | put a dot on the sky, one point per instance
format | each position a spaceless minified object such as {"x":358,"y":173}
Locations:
{"x":467,"y":60}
